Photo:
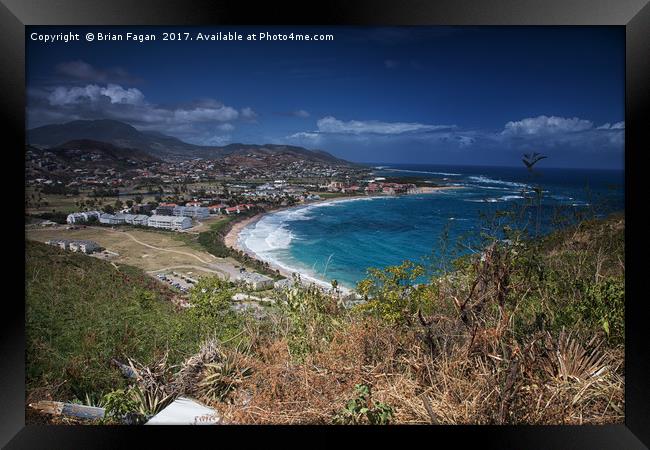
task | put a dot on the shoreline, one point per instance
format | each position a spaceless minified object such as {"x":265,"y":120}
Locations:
{"x":231,"y":239}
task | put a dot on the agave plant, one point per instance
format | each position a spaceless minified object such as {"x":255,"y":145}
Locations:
{"x":151,"y":402}
{"x":222,"y":377}
{"x":571,"y":361}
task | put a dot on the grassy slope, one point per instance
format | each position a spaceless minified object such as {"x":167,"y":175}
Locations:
{"x":81,"y":312}
{"x":499,"y":366}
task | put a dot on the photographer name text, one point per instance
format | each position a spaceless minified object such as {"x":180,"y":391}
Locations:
{"x":176,"y":36}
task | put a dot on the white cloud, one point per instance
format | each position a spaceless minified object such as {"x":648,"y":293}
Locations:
{"x":248,"y":113}
{"x":203,"y":121}
{"x":615,"y":126}
{"x":543,"y":125}
{"x":331,"y":124}
{"x":93,"y":93}
{"x":465,"y":141}
{"x":301,"y":113}
{"x":306,"y":136}
{"x":200,"y":114}
{"x":226,"y":127}
{"x":549,"y":132}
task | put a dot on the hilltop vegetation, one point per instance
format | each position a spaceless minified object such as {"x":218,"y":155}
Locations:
{"x":528,"y":331}
{"x":82,"y":312}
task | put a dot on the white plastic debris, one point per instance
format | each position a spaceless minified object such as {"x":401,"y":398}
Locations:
{"x":184,"y":411}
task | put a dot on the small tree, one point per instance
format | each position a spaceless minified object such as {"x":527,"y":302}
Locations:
{"x":529,"y":160}
{"x":210,"y":298}
{"x":392,"y":293}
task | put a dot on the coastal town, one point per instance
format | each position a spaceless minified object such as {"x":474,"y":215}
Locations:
{"x":79,"y":197}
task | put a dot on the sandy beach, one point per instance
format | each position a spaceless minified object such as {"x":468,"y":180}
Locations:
{"x":232,"y":237}
{"x":232,"y":240}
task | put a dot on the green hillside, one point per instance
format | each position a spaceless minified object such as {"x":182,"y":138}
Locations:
{"x":82,"y":312}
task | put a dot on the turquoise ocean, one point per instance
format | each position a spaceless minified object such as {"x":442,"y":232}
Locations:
{"x":340,"y":239}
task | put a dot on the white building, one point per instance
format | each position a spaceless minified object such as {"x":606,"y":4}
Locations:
{"x":82,"y":217}
{"x":112,"y":219}
{"x":170,"y":222}
{"x":197,"y":212}
{"x":136,"y":219}
{"x":255,"y":280}
{"x":83,"y":246}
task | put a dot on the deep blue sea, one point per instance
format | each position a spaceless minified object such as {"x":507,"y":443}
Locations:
{"x":341,"y":239}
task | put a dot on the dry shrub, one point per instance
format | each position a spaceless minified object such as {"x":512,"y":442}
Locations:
{"x":284,"y":391}
{"x":547,"y":380}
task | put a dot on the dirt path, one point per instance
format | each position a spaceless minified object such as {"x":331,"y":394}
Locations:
{"x":205,"y":269}
{"x":159,"y":248}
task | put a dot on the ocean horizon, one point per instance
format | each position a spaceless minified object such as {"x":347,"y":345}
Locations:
{"x":340,"y":239}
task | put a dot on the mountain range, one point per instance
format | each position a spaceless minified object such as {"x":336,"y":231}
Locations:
{"x":158,"y":145}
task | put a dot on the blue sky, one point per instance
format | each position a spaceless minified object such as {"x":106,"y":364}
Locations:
{"x":441,"y":95}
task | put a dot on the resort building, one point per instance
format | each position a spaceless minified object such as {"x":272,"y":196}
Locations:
{"x":349,"y":189}
{"x":170,"y":222}
{"x":163,"y":210}
{"x":142,"y":208}
{"x":136,"y":219}
{"x":197,"y":212}
{"x":82,"y":217}
{"x":217,"y":209}
{"x":82,"y":246}
{"x":255,"y":280}
{"x":335,"y":186}
{"x":372,"y":188}
{"x":111,"y":219}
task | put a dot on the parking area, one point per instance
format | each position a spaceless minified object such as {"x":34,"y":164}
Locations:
{"x":179,"y":280}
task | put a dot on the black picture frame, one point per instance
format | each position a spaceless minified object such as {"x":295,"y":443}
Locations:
{"x":634,"y":15}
